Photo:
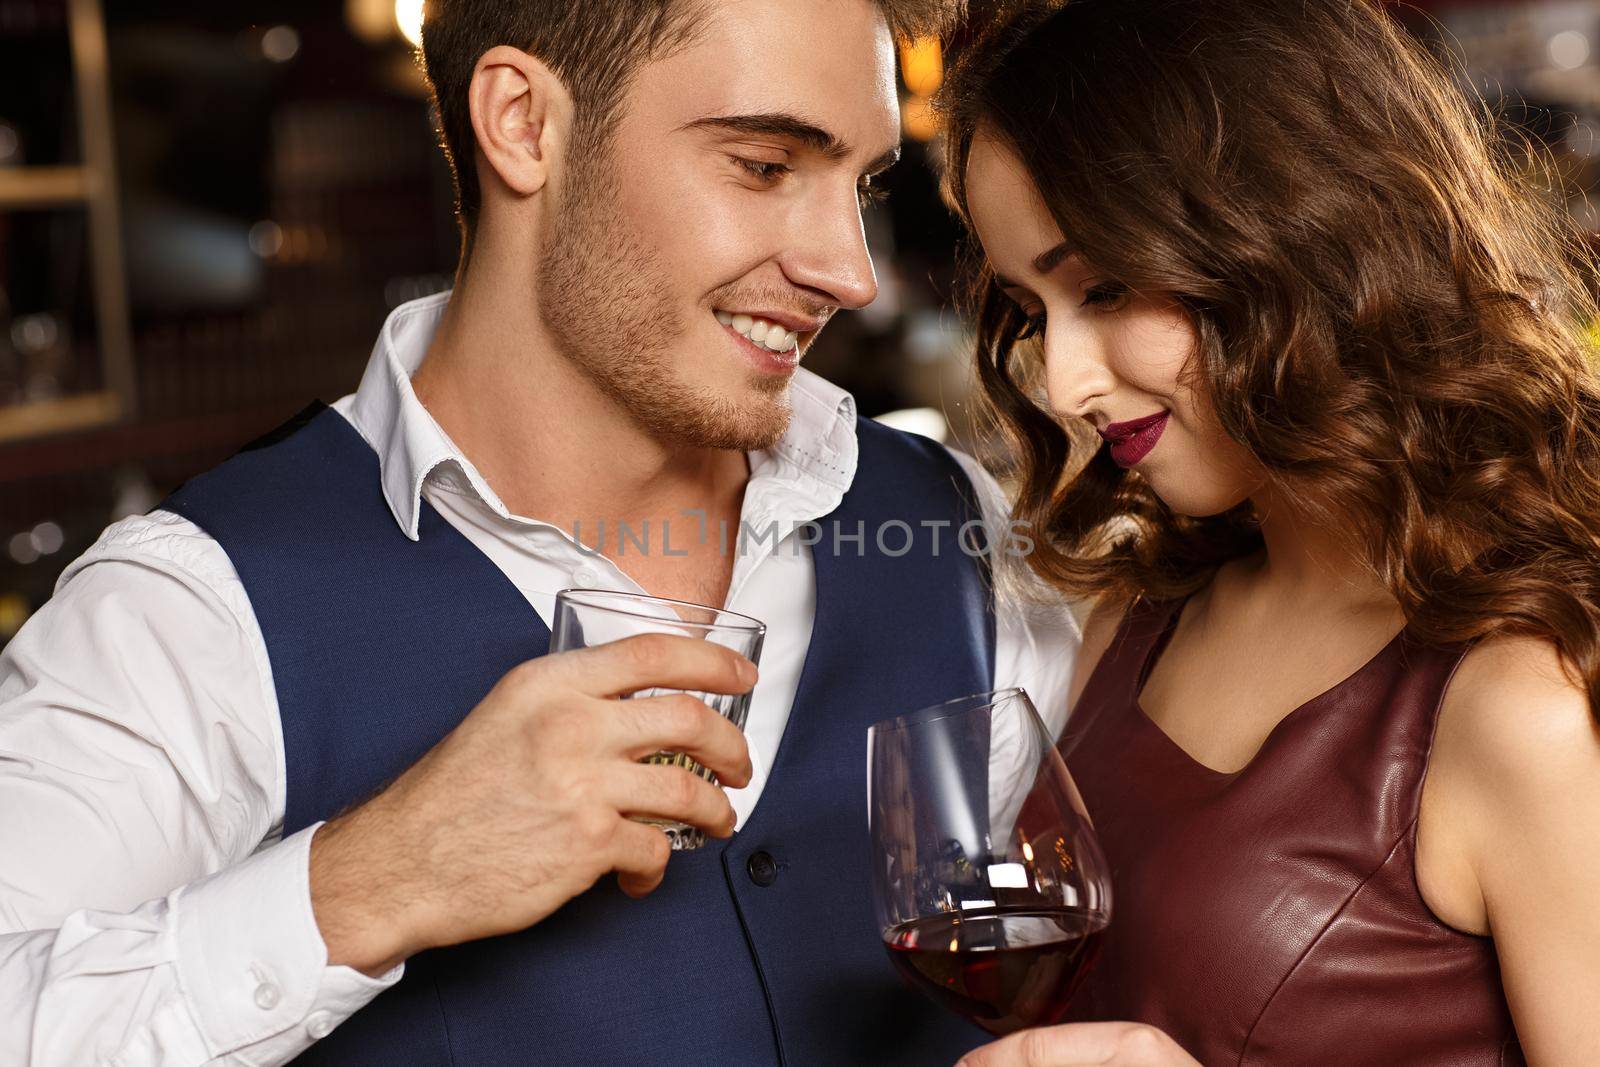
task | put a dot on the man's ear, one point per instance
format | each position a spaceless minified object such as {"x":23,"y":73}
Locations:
{"x":522,"y":116}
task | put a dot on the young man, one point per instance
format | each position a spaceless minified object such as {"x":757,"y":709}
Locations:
{"x":296,"y":727}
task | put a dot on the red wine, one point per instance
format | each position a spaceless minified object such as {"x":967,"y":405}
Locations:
{"x":1004,"y":968}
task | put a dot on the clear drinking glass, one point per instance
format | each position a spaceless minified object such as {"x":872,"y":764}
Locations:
{"x":991,"y":890}
{"x":587,"y":617}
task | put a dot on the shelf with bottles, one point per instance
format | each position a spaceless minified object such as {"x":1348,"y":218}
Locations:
{"x":51,"y":377}
{"x":41,"y":187}
{"x":41,"y":163}
{"x":65,"y":355}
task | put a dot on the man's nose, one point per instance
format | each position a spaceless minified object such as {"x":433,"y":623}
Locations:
{"x":827,"y":252}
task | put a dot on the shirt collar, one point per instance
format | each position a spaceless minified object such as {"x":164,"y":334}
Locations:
{"x":818,"y":451}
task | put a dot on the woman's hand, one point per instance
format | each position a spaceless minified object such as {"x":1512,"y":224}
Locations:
{"x":1083,"y":1044}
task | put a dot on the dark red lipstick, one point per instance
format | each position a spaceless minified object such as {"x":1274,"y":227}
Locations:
{"x":1131,"y":441}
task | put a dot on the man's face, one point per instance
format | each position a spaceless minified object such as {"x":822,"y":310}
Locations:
{"x":692,"y":262}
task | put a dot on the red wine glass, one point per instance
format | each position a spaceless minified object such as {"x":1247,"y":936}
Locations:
{"x":991,"y":890}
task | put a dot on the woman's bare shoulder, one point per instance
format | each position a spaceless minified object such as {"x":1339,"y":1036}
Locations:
{"x":1512,"y":705}
{"x":1515,"y":766}
{"x":1518,"y":754}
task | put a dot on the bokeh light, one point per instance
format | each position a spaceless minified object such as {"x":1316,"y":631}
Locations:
{"x":408,"y":16}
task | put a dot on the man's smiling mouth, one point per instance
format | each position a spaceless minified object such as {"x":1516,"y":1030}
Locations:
{"x":769,"y":335}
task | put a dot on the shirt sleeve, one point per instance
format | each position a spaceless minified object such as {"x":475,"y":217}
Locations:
{"x":1037,"y":633}
{"x":148,"y":912}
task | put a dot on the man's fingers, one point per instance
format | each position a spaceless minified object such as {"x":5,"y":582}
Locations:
{"x":655,"y":661}
{"x":639,"y":856}
{"x":1112,"y":1044}
{"x":1054,"y":1046}
{"x":665,"y":792}
{"x":678,"y":722}
{"x":1071,"y":1045}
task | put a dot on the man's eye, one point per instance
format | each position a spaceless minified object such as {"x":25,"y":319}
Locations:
{"x":1033,"y":326}
{"x":767,"y":172}
{"x":1108,"y":296}
{"x":870,"y":194}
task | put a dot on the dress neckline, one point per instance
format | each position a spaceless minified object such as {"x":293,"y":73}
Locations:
{"x":1158,"y":645}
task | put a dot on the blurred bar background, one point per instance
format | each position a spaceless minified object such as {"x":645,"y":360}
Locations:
{"x":206,"y":211}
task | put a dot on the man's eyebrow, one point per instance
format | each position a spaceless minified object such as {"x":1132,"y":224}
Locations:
{"x":782,"y":124}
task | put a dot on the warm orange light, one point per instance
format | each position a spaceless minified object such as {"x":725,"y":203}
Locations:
{"x":371,"y":20}
{"x":918,"y":118}
{"x":922,"y":65}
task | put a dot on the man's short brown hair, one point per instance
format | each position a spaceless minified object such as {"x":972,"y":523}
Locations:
{"x":594,"y":46}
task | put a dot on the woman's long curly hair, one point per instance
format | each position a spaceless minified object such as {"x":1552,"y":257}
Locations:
{"x":1390,"y":315}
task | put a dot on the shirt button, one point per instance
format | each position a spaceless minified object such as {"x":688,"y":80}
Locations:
{"x":319,"y":1024}
{"x":267,"y":996}
{"x":763,"y":869}
{"x":585,"y":576}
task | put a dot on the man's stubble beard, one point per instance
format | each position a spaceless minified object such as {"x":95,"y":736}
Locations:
{"x":605,"y":298}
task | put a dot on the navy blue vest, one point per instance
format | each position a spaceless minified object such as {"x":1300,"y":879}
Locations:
{"x":380,"y":645}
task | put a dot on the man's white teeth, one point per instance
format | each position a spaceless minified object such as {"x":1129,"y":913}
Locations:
{"x":768,"y":335}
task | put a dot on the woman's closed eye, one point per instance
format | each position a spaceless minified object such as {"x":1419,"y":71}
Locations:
{"x":1108,"y":296}
{"x":1032,"y":326}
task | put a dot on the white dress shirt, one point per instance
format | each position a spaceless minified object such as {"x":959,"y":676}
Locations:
{"x":150,"y":910}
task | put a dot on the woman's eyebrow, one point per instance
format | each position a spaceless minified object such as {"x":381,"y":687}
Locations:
{"x":1050,"y":259}
{"x":1044,"y":263}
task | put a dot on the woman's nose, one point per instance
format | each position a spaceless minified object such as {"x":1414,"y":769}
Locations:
{"x":1077,"y":373}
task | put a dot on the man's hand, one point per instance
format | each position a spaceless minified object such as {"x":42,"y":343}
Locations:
{"x":1082,"y":1045}
{"x":526,"y":803}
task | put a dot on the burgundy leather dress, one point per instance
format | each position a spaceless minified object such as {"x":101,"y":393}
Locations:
{"x":1272,"y":915}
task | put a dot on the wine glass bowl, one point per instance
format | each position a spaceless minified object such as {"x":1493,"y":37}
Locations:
{"x":992,"y":894}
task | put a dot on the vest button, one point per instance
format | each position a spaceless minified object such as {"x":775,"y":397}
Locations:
{"x":763,"y":869}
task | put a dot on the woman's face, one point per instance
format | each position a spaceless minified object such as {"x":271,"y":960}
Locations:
{"x":1112,"y":359}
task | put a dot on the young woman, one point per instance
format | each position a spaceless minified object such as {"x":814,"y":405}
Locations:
{"x":1339,"y":504}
